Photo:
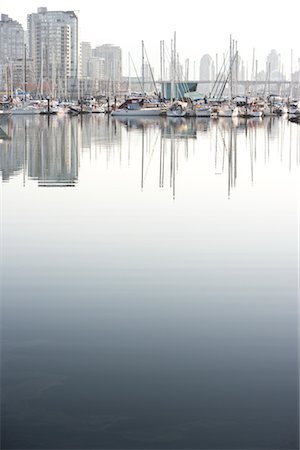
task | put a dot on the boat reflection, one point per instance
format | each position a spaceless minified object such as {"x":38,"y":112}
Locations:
{"x":137,"y":123}
{"x":179,"y":128}
{"x":49,"y":149}
{"x":3,"y":135}
{"x":172,"y":127}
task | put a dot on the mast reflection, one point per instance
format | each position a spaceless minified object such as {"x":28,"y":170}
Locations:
{"x":49,"y":149}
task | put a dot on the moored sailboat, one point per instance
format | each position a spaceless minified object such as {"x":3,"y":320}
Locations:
{"x":139,"y":106}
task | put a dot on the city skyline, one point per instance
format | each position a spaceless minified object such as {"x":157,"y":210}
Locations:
{"x":199,"y":30}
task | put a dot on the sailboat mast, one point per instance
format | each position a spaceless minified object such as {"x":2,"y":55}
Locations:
{"x":25,"y":73}
{"x":252,"y":72}
{"x":291,"y":82}
{"x":42,"y":68}
{"x":163,"y":69}
{"x":129,"y":75}
{"x":175,"y":65}
{"x":160,"y":60}
{"x":143,"y":69}
{"x":230,"y":67}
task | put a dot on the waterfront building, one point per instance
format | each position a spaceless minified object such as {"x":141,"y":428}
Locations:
{"x":96,"y":70}
{"x":112,"y":65}
{"x":85,"y":56}
{"x":53,"y":46}
{"x":11,"y":55}
{"x":93,"y":72}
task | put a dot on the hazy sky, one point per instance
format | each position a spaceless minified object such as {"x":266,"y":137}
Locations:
{"x":201,"y":27}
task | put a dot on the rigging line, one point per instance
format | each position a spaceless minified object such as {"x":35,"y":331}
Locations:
{"x":227,"y":78}
{"x":184,"y":84}
{"x":140,"y":83}
{"x":220,"y":87}
{"x":152,"y":76}
{"x":219,"y":75}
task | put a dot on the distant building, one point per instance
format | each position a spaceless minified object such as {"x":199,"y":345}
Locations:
{"x":97,"y":68}
{"x":206,"y":73}
{"x":11,"y":55}
{"x":85,"y":56}
{"x":295,"y":88}
{"x":274,"y":67}
{"x":240,"y":69}
{"x":112,"y":65}
{"x":53,"y":46}
{"x":100,"y":70}
{"x":207,"y":68}
{"x":97,"y":75}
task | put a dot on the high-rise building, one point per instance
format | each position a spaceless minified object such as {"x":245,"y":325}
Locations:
{"x":112,"y":66}
{"x":11,"y":55}
{"x":96,"y":68}
{"x":92,"y":72}
{"x":53,"y":46}
{"x":85,"y":56}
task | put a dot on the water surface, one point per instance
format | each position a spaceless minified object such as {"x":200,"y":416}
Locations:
{"x":149,"y":283}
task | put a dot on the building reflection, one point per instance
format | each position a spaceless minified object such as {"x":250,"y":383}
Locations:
{"x":11,"y":152}
{"x":52,"y":157}
{"x":49,"y":149}
{"x":46,"y":150}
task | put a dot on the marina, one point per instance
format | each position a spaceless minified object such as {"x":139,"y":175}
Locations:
{"x":146,"y":105}
{"x":149,"y":264}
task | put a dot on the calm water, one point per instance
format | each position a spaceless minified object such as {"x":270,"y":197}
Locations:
{"x":149,"y":283}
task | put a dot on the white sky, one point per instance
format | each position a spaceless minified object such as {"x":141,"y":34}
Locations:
{"x":201,"y":27}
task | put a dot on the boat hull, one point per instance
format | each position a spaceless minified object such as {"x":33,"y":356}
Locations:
{"x":205,"y":112}
{"x":144,"y":112}
{"x":228,"y":112}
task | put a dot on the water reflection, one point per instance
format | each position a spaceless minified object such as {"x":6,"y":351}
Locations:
{"x":130,"y":320}
{"x":48,"y":149}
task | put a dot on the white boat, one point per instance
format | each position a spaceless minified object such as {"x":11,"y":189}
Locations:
{"x":228,"y":111}
{"x":177,"y":109}
{"x":280,"y":109}
{"x":29,"y":109}
{"x":294,"y":108}
{"x":295,"y":112}
{"x":139,"y":107}
{"x":268,"y":111}
{"x":251,"y":111}
{"x":203,"y":111}
{"x":80,"y":109}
